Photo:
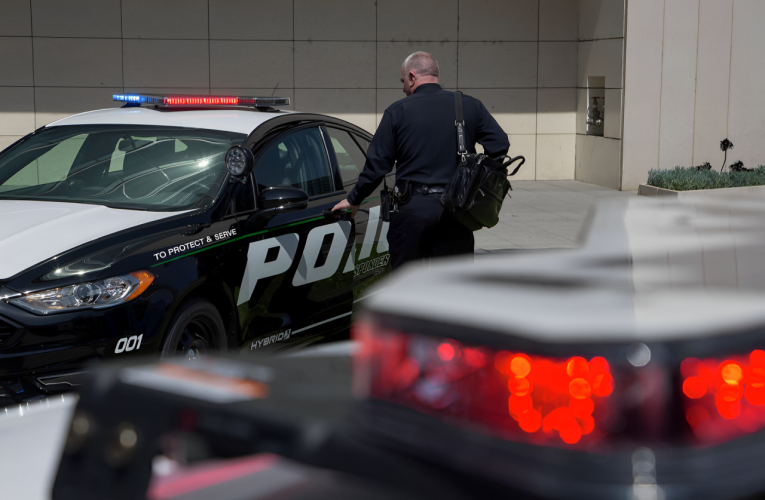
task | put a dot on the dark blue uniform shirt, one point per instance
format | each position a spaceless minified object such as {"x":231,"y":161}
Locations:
{"x":418,"y":134}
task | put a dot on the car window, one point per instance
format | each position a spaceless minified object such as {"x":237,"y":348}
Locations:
{"x":156,"y":168}
{"x":350,"y":158}
{"x":298,"y":159}
{"x":362,"y":142}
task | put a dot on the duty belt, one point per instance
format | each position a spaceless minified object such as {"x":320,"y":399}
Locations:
{"x":428,"y":188}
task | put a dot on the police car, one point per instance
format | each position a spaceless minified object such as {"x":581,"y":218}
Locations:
{"x":178,"y":225}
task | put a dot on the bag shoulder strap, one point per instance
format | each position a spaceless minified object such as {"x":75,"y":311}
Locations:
{"x":460,"y":124}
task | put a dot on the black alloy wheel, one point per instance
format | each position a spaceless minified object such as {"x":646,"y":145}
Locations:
{"x":195,"y":331}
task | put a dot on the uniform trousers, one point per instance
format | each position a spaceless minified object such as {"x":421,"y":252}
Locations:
{"x":423,"y":229}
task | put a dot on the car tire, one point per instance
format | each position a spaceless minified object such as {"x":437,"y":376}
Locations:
{"x":196,"y":329}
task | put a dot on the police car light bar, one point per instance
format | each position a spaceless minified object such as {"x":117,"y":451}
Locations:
{"x":197,"y":101}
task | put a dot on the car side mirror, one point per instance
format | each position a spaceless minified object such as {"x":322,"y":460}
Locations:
{"x":277,"y":200}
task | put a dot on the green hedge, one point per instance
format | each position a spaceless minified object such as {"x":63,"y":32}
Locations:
{"x":690,"y":178}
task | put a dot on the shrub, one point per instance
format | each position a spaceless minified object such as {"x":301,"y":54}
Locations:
{"x":691,"y":178}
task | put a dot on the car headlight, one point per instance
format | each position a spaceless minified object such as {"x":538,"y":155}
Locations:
{"x":90,"y":295}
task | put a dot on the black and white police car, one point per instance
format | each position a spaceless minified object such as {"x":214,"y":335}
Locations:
{"x":178,"y":225}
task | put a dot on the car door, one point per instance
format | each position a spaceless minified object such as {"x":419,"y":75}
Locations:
{"x":291,"y":291}
{"x":370,"y":252}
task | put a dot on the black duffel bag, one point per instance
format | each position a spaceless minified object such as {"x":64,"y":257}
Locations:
{"x":475,"y":193}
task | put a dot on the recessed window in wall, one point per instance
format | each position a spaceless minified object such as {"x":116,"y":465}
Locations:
{"x":596,"y":104}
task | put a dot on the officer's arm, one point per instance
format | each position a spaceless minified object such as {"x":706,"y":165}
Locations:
{"x":490,"y":134}
{"x":380,"y":159}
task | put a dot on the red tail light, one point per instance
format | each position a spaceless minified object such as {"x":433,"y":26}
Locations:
{"x":724,"y":398}
{"x":520,"y":396}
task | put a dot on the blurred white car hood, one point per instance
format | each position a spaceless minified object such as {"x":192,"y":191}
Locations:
{"x":34,"y":231}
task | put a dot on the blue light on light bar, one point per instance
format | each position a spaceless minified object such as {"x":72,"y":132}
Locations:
{"x":137,"y":99}
{"x":129,"y":98}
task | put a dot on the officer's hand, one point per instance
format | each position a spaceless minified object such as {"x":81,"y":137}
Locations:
{"x":344,"y":205}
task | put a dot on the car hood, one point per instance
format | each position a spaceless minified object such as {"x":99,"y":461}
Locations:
{"x":34,"y":231}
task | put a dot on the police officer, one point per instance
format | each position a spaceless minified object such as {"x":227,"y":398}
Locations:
{"x":418,"y":134}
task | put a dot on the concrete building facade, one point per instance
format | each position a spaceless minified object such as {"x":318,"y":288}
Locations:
{"x":668,"y":79}
{"x":341,"y":57}
{"x":694,"y":73}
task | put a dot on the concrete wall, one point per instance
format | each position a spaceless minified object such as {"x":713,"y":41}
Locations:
{"x":694,"y":73}
{"x":340,"y":57}
{"x":601,"y":54}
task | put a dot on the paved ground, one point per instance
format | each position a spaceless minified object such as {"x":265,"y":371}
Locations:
{"x":543,"y":214}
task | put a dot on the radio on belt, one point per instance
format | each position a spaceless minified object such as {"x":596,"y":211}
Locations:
{"x":196,"y":101}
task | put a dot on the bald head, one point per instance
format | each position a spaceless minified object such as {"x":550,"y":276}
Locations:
{"x":418,"y":69}
{"x":421,"y":63}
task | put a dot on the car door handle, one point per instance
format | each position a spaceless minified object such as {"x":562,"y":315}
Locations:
{"x":329,"y":214}
{"x":196,"y":229}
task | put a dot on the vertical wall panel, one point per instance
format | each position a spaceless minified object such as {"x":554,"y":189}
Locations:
{"x":274,"y":68}
{"x":168,"y":19}
{"x":335,"y":19}
{"x":166,"y":63}
{"x":642,"y":86}
{"x":321,"y":64}
{"x":498,"y":20}
{"x":556,"y":111}
{"x":233,"y":19}
{"x":57,"y":18}
{"x":420,"y":20}
{"x":746,"y":118}
{"x":601,"y":19}
{"x":712,"y":75}
{"x":16,"y":110}
{"x":557,"y":20}
{"x":15,"y":18}
{"x":556,"y":156}
{"x":16,"y":61}
{"x":78,"y":62}
{"x":678,"y":87}
{"x":596,"y":158}
{"x":557,"y":64}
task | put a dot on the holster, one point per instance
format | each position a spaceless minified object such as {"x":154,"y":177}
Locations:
{"x":402,"y":194}
{"x":392,"y":198}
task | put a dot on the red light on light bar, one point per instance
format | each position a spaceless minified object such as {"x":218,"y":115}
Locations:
{"x":201,"y":100}
{"x":516,"y":395}
{"x":557,"y":395}
{"x":724,"y":399}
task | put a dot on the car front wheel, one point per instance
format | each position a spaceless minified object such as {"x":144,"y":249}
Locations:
{"x":195,"y":331}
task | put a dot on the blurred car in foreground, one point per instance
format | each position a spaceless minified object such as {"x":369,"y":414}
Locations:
{"x":633,"y":367}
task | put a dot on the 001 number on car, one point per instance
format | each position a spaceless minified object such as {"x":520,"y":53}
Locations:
{"x":127,"y":344}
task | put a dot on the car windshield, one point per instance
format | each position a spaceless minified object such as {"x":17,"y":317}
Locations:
{"x":134,"y":167}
